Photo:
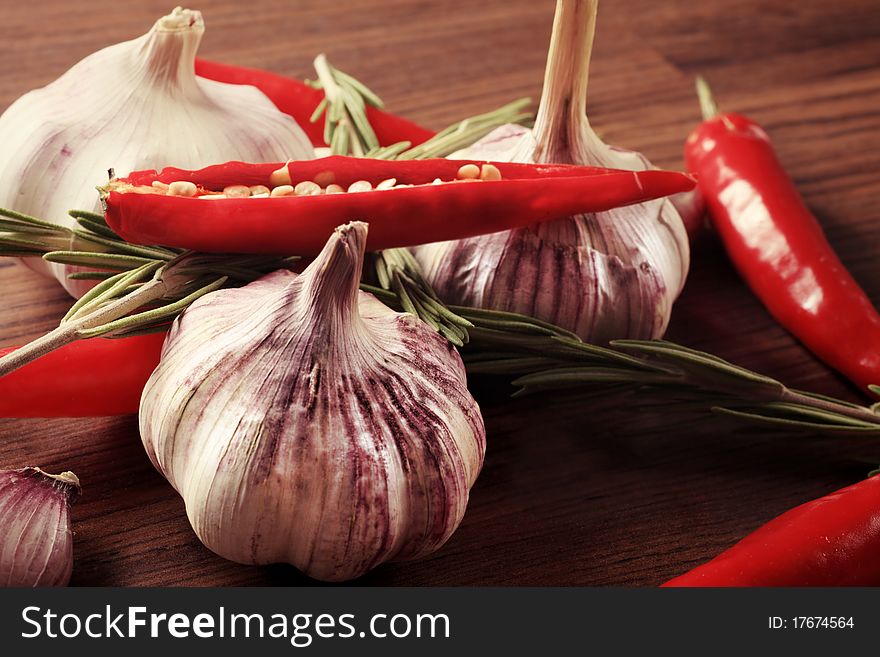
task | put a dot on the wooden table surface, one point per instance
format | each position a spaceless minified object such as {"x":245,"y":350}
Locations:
{"x":568,"y":496}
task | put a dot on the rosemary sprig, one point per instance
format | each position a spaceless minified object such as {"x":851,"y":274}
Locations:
{"x":537,"y":356}
{"x":143,"y":288}
{"x":458,"y":135}
{"x":143,"y":298}
{"x":346,"y":128}
{"x":541,"y":358}
{"x":398,"y":271}
{"x":544,"y":357}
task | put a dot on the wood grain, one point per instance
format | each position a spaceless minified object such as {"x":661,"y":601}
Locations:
{"x":568,"y":495}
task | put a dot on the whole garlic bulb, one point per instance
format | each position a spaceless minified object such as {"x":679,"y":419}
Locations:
{"x":135,"y":105}
{"x":609,"y":275}
{"x":303,"y":421}
{"x":36,"y":544}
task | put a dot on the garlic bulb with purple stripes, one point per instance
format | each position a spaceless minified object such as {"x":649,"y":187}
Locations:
{"x":609,"y":275}
{"x":303,"y":421}
{"x":36,"y":544}
{"x":131,"y":106}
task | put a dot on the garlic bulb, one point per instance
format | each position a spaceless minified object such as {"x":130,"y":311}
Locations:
{"x":36,"y":544}
{"x":135,"y":105}
{"x":303,"y":421}
{"x":609,"y":275}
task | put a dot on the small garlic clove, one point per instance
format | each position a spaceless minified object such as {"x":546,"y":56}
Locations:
{"x":303,"y":421}
{"x":36,"y":542}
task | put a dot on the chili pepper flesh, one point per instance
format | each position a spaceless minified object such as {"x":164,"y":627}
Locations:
{"x":88,"y":378}
{"x":831,"y":541}
{"x":417,"y":201}
{"x":298,"y":100}
{"x":779,"y":248}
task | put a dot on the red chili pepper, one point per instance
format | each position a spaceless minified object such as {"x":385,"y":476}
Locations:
{"x":778,"y":246}
{"x":832,"y":541}
{"x":414,"y":213}
{"x":89,"y":378}
{"x":299,"y":100}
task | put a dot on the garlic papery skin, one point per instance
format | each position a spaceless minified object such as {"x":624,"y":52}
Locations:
{"x":132,"y":106}
{"x":609,"y":275}
{"x":36,"y":543}
{"x":303,"y":421}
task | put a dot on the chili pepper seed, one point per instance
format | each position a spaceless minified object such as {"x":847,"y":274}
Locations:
{"x":468,"y":172}
{"x":360,"y":186}
{"x":307,"y":188}
{"x":237,"y":191}
{"x":182,"y":188}
{"x":490,"y":172}
{"x":282,"y":190}
{"x":280,"y":177}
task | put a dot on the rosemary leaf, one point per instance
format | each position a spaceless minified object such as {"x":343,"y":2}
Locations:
{"x":32,"y":221}
{"x":88,"y":215}
{"x":799,"y":425}
{"x":98,"y":229}
{"x":150,"y":317}
{"x":117,"y":261}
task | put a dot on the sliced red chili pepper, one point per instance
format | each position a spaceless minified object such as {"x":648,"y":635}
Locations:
{"x":831,"y":541}
{"x":88,"y":378}
{"x":779,"y":248}
{"x":299,"y":100}
{"x":413,"y":212}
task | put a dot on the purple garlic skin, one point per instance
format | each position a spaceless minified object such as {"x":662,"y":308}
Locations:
{"x":603,"y":276}
{"x":303,"y":421}
{"x":36,"y":544}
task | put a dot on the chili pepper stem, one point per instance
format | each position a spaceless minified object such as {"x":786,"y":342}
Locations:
{"x":708,"y":106}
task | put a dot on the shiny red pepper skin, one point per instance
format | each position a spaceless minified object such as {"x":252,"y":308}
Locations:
{"x":398,"y":217}
{"x":299,"y":100}
{"x":832,"y":541}
{"x":88,"y":378}
{"x":779,"y":248}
